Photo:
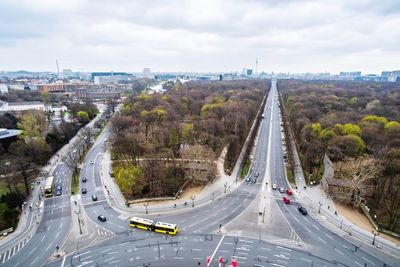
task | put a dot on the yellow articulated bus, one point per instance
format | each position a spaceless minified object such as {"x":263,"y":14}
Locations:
{"x":150,"y":225}
{"x":49,"y":187}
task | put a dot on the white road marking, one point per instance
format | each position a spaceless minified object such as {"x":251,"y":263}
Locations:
{"x":112,"y":262}
{"x":114,"y":252}
{"x":215,"y":251}
{"x":76,"y":256}
{"x":322,"y":240}
{"x":304,"y":259}
{"x":328,"y":236}
{"x":85,"y":263}
{"x":88,"y":257}
{"x":106,"y":250}
{"x":359,"y":264}
{"x":63,"y":262}
{"x":42,"y":238}
{"x":110,"y":259}
{"x":315,"y":227}
{"x":368,"y":260}
{"x":49,"y":246}
{"x":288,"y":249}
{"x":32,"y":251}
{"x":339,"y":251}
{"x":178,"y":258}
{"x":34,"y":261}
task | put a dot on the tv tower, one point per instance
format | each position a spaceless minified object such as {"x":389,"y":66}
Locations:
{"x":58,"y":70}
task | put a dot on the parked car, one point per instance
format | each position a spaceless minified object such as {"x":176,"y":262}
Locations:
{"x":274,"y":187}
{"x":289,"y":192}
{"x":83,"y":191}
{"x":102,"y":218}
{"x":58,"y":193}
{"x":91,"y":162}
{"x":59,"y":188}
{"x":302,"y":210}
{"x":84,"y":179}
{"x":94,"y":198}
{"x":281,"y":190}
{"x":247,"y":180}
{"x":286,"y":200}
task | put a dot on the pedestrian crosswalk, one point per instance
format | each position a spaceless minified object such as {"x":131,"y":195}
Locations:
{"x":6,"y":255}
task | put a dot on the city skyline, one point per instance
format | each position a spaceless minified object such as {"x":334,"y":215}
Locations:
{"x":207,"y":36}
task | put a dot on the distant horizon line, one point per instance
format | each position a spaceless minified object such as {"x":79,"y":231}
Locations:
{"x":204,"y":72}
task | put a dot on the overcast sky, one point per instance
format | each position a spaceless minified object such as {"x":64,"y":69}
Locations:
{"x":202,"y":35}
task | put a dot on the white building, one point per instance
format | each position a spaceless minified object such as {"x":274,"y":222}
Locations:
{"x":111,"y":79}
{"x":21,"y":106}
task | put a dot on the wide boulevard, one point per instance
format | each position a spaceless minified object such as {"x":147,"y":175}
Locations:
{"x":249,"y":222}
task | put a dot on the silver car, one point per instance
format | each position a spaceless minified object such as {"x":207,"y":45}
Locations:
{"x":281,"y":190}
{"x":274,"y":187}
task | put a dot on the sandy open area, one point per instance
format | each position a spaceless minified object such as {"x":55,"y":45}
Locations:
{"x":356,"y":216}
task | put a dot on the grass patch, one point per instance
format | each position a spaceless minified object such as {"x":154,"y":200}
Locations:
{"x":245,"y":170}
{"x":290,"y":175}
{"x":75,"y":183}
{"x":4,"y":189}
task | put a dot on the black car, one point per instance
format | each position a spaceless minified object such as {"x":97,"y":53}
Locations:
{"x":84,"y":179}
{"x":94,"y":198}
{"x":102,"y":218}
{"x":83,"y":191}
{"x":302,"y":210}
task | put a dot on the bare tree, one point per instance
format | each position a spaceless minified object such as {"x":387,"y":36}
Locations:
{"x":360,"y":173}
{"x":200,"y":160}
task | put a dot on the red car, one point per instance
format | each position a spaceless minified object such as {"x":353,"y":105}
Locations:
{"x":289,"y":192}
{"x":286,"y":200}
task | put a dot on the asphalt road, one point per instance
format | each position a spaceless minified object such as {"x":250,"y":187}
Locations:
{"x":53,"y":227}
{"x":253,"y":206}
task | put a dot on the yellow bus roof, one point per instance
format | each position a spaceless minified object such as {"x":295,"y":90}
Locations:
{"x":141,"y":220}
{"x":169,"y":225}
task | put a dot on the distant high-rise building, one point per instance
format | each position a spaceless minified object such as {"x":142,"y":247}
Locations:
{"x":249,"y":72}
{"x":350,"y":74}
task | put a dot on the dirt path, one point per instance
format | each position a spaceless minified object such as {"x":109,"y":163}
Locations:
{"x":356,"y":216}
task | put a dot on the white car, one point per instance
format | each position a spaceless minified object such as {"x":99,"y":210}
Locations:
{"x":274,"y":187}
{"x":91,"y":162}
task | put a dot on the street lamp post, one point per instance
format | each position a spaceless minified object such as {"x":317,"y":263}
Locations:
{"x":375,"y":233}
{"x":192,"y":198}
{"x":79,"y":220}
{"x":146,"y":204}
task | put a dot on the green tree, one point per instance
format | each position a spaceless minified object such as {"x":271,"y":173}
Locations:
{"x":392,"y":124}
{"x":29,"y":126}
{"x":351,"y":129}
{"x":83,"y":117}
{"x":374,"y":118}
{"x":131,"y":180}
